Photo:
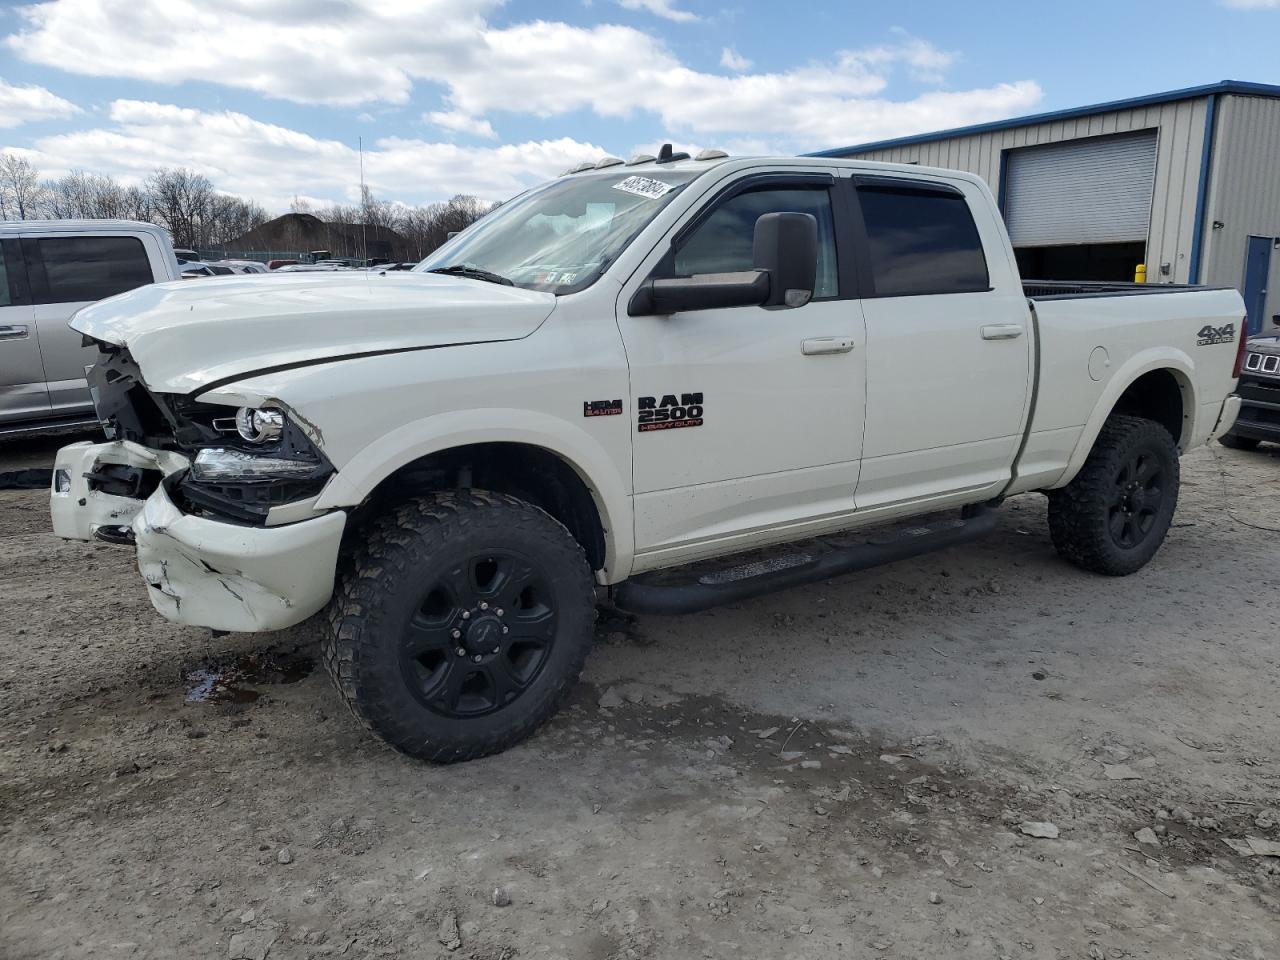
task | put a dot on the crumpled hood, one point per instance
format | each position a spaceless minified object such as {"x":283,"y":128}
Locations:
{"x":188,"y":334}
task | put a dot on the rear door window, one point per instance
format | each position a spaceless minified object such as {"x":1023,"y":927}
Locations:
{"x":921,"y":240}
{"x":77,"y":269}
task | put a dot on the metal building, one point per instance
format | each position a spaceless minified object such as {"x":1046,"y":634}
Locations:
{"x":1185,"y":184}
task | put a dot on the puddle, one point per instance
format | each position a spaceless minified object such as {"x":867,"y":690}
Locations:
{"x":235,"y":680}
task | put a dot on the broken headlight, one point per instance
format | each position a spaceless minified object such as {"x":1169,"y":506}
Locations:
{"x":265,"y":461}
{"x":223,"y":465}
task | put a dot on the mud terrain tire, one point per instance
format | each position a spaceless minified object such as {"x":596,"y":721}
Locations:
{"x":465,"y":618}
{"x":1114,"y":515}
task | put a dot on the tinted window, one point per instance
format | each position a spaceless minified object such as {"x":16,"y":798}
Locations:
{"x":91,"y":268}
{"x":722,"y":243}
{"x":6,"y":294}
{"x":921,"y":242}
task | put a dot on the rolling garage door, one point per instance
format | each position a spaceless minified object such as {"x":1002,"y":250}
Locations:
{"x":1081,"y":191}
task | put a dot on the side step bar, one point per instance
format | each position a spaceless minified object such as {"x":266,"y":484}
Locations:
{"x":820,"y":563}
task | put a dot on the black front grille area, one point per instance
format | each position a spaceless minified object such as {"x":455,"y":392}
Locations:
{"x":246,"y":503}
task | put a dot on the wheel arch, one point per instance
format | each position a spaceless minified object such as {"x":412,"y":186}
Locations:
{"x":1158,"y":385}
{"x":557,"y":467}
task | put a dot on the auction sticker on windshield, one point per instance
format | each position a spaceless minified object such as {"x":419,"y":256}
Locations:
{"x":643,"y":187}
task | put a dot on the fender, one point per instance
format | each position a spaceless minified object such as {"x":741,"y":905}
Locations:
{"x":375,"y":462}
{"x":1168,"y":358}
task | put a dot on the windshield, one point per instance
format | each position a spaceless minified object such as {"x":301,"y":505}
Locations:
{"x":560,"y":237}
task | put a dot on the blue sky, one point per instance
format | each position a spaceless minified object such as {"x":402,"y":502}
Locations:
{"x":268,"y":97}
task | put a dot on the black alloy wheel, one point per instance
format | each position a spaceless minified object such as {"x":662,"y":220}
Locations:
{"x":1113,"y":515}
{"x":1136,"y":499}
{"x":481,"y":633}
{"x":461,"y":624}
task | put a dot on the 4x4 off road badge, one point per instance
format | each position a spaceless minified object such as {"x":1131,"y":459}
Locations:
{"x":668,"y":412}
{"x":1208,"y":335}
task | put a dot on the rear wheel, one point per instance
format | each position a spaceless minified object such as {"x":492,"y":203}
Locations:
{"x":1238,"y":443}
{"x":466,"y":619}
{"x":1113,"y":516}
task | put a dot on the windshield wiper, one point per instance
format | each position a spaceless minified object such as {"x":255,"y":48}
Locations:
{"x":475,"y":273}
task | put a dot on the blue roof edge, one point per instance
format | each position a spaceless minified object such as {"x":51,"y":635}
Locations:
{"x":1240,"y":87}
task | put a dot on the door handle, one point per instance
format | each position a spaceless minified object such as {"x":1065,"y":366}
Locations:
{"x":14,"y":331}
{"x":817,"y":346}
{"x":1001,"y":331}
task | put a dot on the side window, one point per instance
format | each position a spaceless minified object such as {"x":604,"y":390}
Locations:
{"x":91,"y":268}
{"x":722,"y":243}
{"x":7,"y":298}
{"x":921,"y":242}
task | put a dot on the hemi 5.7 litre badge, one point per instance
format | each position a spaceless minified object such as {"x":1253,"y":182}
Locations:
{"x":668,"y":412}
{"x":1209,"y":334}
{"x":602,"y":408}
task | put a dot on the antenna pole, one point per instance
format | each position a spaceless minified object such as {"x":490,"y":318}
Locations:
{"x":364,"y":212}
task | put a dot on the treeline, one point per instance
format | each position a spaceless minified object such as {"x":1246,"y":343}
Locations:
{"x":197,"y":216}
{"x":422,"y":228}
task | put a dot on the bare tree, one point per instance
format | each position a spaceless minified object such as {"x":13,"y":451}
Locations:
{"x":180,"y":200}
{"x":20,"y":189}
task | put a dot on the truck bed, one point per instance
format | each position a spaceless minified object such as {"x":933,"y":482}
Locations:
{"x":1079,"y":289}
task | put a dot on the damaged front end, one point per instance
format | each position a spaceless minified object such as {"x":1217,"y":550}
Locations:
{"x":217,"y":499}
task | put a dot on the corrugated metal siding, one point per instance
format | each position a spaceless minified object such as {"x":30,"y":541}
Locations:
{"x":1081,"y":191}
{"x":1244,"y":191}
{"x":1180,"y":137}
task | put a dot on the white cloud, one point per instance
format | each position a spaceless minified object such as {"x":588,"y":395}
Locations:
{"x":1252,"y":4}
{"x":309,"y":51}
{"x":660,"y":8}
{"x":460,"y":122}
{"x":372,"y":50}
{"x":273,"y":164}
{"x":730,"y":59}
{"x":19,"y":105}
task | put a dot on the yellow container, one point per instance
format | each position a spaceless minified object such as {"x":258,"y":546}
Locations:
{"x":1140,"y":273}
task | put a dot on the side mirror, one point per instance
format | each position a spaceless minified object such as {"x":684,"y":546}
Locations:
{"x":786,"y":247}
{"x":785,"y":257}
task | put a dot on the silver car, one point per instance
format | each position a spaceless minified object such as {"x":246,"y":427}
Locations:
{"x":49,"y":269}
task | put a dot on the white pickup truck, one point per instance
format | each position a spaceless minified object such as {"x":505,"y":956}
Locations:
{"x":631,"y":369}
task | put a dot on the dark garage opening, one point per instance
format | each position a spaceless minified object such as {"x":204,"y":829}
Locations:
{"x":1081,"y":261}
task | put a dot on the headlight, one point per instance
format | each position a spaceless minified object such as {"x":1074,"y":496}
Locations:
{"x":259,"y":425}
{"x":220,"y":465}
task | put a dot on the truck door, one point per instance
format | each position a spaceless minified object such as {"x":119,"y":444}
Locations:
{"x":748,"y":420}
{"x":67,"y":273}
{"x":23,"y":394}
{"x":949,"y":343}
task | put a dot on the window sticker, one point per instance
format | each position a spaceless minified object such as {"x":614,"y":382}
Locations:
{"x":645,"y":187}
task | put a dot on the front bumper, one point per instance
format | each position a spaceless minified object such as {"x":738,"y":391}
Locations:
{"x":1260,"y":408}
{"x":203,"y":572}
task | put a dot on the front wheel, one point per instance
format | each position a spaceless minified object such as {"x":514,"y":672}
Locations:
{"x":466,"y":618}
{"x":1113,"y":516}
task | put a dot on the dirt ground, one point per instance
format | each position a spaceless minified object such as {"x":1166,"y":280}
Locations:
{"x":845,"y":770}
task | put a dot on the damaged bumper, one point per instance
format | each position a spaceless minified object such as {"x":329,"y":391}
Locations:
{"x":103,"y":485}
{"x":201,"y":572}
{"x":212,"y":574}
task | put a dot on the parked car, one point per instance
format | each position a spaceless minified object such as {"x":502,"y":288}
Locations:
{"x":186,"y":255}
{"x":244,"y":266}
{"x":277,"y":264}
{"x":1259,"y":391}
{"x":687,"y":365}
{"x":310,"y":268}
{"x":48,"y":271}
